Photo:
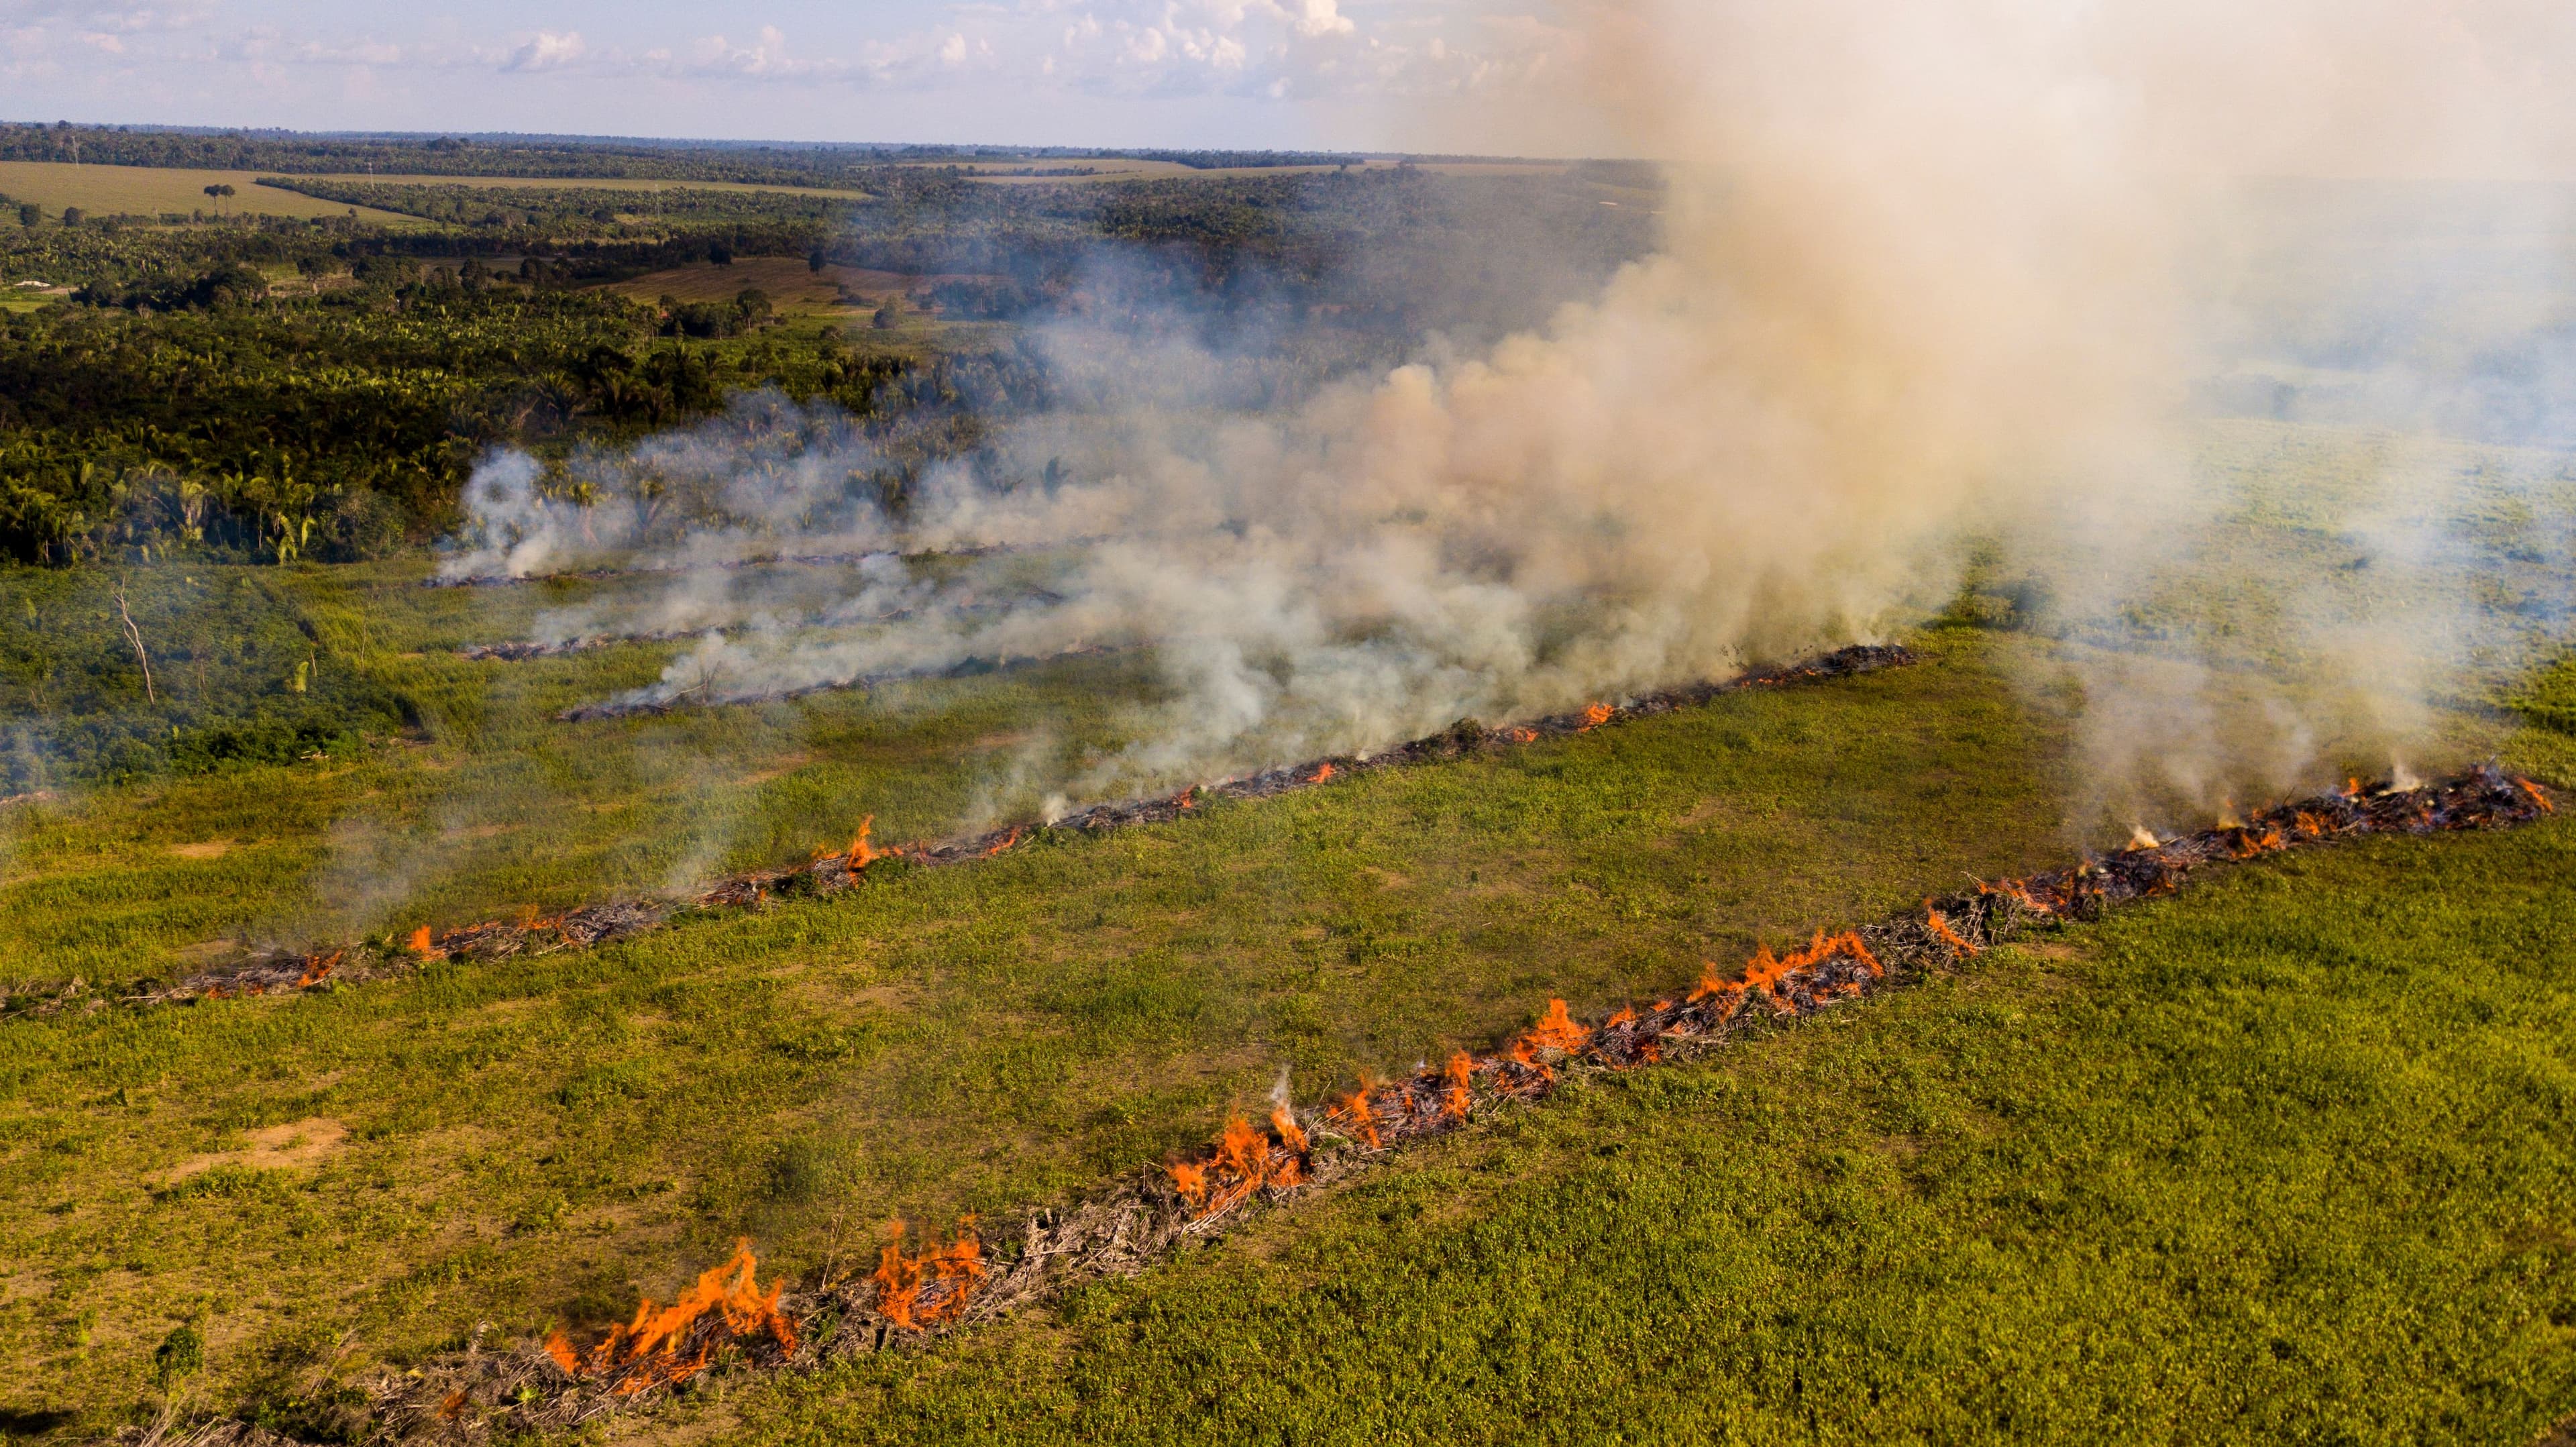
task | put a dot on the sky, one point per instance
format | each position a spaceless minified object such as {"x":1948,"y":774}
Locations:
{"x":1482,"y":76}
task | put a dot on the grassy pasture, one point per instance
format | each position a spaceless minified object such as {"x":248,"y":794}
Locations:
{"x":2024,"y":1202}
{"x":1138,"y":168}
{"x":792,"y":285}
{"x":546,"y":1137}
{"x":154,"y":189}
{"x":602,"y":183}
{"x":2285,"y":1160}
{"x":151,"y":190}
{"x":2081,"y":1183}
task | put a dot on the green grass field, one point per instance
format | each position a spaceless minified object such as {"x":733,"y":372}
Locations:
{"x":794,"y":287}
{"x":2282,"y":1159}
{"x":595,"y":183}
{"x":151,"y":190}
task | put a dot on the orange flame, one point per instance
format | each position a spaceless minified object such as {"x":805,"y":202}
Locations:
{"x":1555,"y":1031}
{"x":646,"y":1352}
{"x":318,"y":968}
{"x":2537,"y":797}
{"x":1709,"y":983}
{"x":1627,"y":1016}
{"x":1941,"y":931}
{"x":921,"y":1291}
{"x":420,"y":944}
{"x":862,"y":854}
{"x":1523,"y":736}
{"x":1355,"y":1111}
{"x":2248,"y":843}
{"x":1289,"y":1134}
{"x":1521,"y":1056}
{"x":2021,"y":893}
{"x":1244,"y":1162}
{"x":1323,"y":772}
{"x":1007,"y":841}
{"x":1593,"y":718}
{"x":1455,"y":1103}
{"x":1766,"y":970}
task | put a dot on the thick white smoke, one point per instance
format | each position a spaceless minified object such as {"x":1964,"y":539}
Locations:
{"x":1931,"y":273}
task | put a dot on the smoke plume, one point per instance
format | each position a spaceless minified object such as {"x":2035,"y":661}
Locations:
{"x":1985,"y":275}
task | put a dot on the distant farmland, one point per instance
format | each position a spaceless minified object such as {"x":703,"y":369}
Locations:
{"x":152,"y":190}
{"x":105,"y":190}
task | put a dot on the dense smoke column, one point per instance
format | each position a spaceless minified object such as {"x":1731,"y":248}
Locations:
{"x":1952,"y":274}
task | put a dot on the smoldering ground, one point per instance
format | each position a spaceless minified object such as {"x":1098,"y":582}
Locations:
{"x":1985,"y":273}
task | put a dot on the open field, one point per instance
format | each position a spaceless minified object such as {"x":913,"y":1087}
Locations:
{"x":1135,"y":168}
{"x":790,"y":283}
{"x":542,"y":1139}
{"x":2282,"y":1158}
{"x":151,"y":189}
{"x":147,"y":190}
{"x":538,"y":1137}
{"x":603,"y":183}
{"x":2167,"y":1179}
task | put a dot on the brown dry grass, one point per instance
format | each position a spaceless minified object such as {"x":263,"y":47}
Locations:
{"x":294,"y":1144}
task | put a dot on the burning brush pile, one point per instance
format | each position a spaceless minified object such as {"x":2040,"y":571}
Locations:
{"x":919,"y":1291}
{"x":832,"y":870}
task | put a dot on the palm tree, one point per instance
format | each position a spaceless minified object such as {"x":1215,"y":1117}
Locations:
{"x":219,"y":191}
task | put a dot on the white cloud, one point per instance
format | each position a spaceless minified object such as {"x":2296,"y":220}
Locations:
{"x":45,"y":37}
{"x":96,"y":18}
{"x":547,"y":51}
{"x":1255,"y":50}
{"x":1321,"y":17}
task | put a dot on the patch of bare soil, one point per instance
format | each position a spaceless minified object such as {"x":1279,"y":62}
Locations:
{"x":778,"y":768}
{"x":295,"y":1144}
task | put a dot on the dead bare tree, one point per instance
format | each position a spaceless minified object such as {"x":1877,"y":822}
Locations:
{"x":134,"y":636}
